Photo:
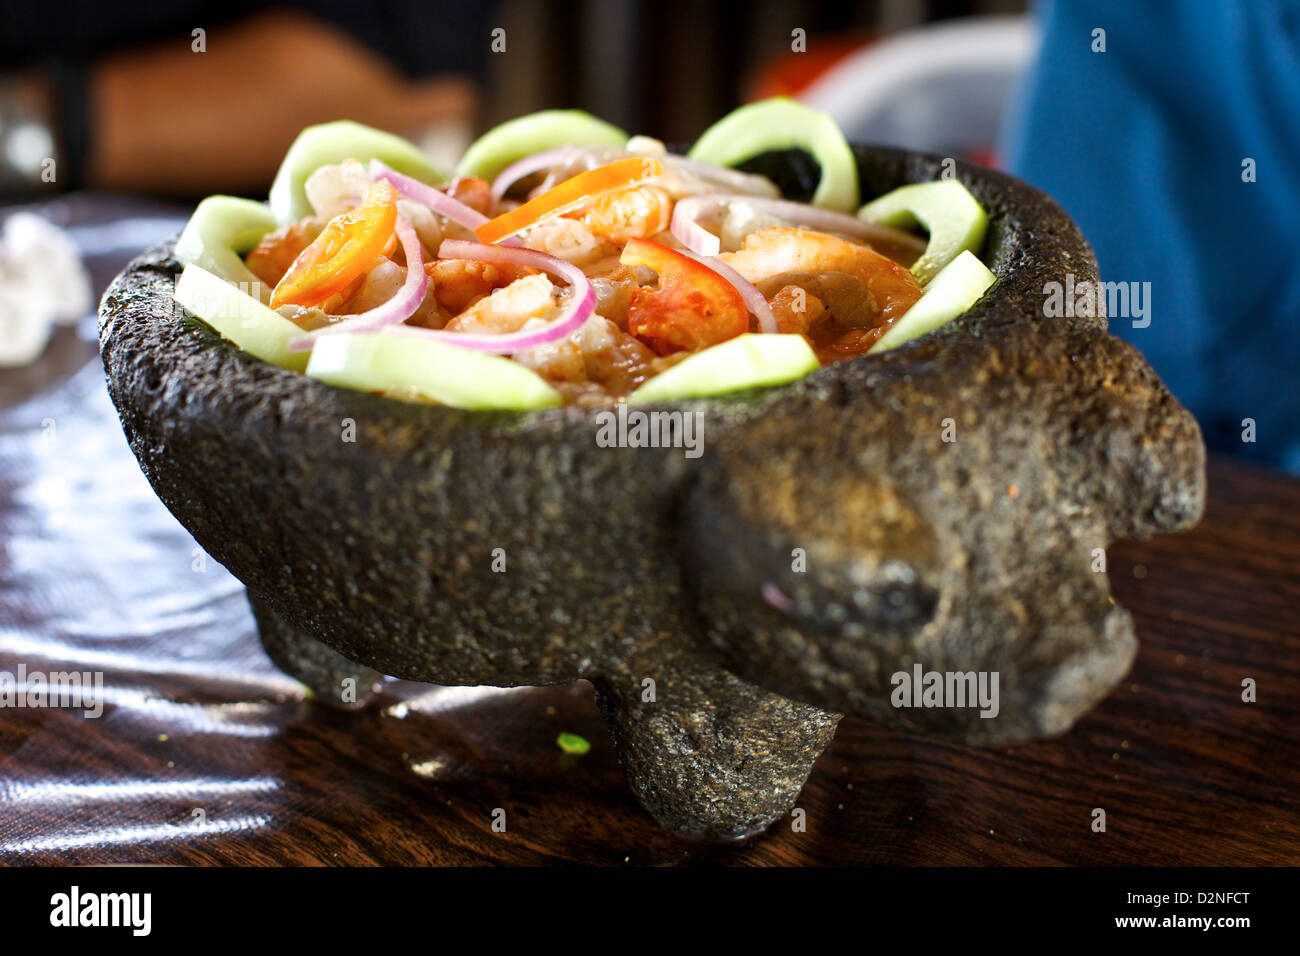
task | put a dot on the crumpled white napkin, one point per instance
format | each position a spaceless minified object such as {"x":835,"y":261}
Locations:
{"x":42,"y":283}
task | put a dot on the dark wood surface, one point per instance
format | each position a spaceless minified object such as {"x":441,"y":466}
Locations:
{"x":95,"y":575}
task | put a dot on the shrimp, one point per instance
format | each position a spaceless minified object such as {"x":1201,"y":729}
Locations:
{"x":796,"y":309}
{"x":598,"y":352}
{"x":615,"y":290}
{"x":459,"y":283}
{"x":619,"y":215}
{"x":568,"y":239}
{"x":273,"y":256}
{"x":473,"y":192}
{"x":867,"y":282}
{"x":507,"y":309}
{"x":333,"y":190}
{"x":377,"y":286}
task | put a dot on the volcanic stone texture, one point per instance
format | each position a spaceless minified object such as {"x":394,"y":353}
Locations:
{"x":669,"y":582}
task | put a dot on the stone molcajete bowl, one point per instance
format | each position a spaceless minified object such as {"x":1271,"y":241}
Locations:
{"x":941,"y":504}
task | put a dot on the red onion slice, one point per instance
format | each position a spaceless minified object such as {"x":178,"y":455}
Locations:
{"x":754,"y":299}
{"x":581,"y":304}
{"x":592,"y":156}
{"x":435,"y":199}
{"x":730,"y":178}
{"x":397,"y":309}
{"x":529,"y":165}
{"x":688,"y":231}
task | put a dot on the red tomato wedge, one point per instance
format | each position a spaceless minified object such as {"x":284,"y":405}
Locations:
{"x":692,"y":308}
{"x":570,"y":194}
{"x":343,"y":251}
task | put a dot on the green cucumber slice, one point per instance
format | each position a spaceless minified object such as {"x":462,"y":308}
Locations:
{"x":330,"y":143}
{"x":221,"y":232}
{"x":781,"y":123}
{"x":952,"y":292}
{"x":239,"y":317}
{"x":747,"y":361}
{"x":513,"y":140}
{"x":405,"y":365}
{"x":945,"y":208}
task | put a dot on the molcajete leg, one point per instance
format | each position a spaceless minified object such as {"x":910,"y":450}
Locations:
{"x":302,"y":656}
{"x":711,"y":756}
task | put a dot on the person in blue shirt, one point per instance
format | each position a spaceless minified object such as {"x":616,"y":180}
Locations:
{"x":1169,"y":130}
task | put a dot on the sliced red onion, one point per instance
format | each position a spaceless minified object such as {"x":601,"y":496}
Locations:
{"x":687,"y":230}
{"x":397,"y":309}
{"x":754,"y":300}
{"x":592,"y":156}
{"x":748,"y":183}
{"x":581,"y":304}
{"x":435,"y":199}
{"x":529,"y":165}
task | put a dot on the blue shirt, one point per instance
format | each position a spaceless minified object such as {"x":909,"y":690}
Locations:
{"x":1145,"y":146}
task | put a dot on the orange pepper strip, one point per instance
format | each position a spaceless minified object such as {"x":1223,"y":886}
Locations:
{"x":343,"y":251}
{"x":571,"y":193}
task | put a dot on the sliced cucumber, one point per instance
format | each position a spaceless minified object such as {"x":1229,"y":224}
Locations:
{"x":747,"y":361}
{"x":407,"y":366}
{"x":781,"y":123}
{"x":952,"y":292}
{"x":220,"y":233}
{"x":945,"y":208}
{"x":239,"y":317}
{"x":330,"y":143}
{"x":535,"y":133}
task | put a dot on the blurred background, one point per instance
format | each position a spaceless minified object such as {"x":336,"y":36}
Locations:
{"x":1167,"y":129}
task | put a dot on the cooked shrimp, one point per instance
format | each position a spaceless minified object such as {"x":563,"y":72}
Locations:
{"x":377,"y":286}
{"x":507,"y":309}
{"x":459,"y":283}
{"x":568,"y":239}
{"x":333,"y":190}
{"x":888,"y":287}
{"x":599,"y":352}
{"x":273,"y":256}
{"x":614,"y":293}
{"x":618,"y":361}
{"x":558,"y":361}
{"x":619,"y":215}
{"x":428,"y":227}
{"x":796,"y":309}
{"x":849,"y":299}
{"x":473,"y":192}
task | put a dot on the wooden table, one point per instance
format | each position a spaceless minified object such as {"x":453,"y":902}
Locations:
{"x":207,"y":754}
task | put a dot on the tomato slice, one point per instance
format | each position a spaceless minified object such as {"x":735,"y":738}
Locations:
{"x":573,"y":192}
{"x":343,"y":251}
{"x":692,"y":308}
